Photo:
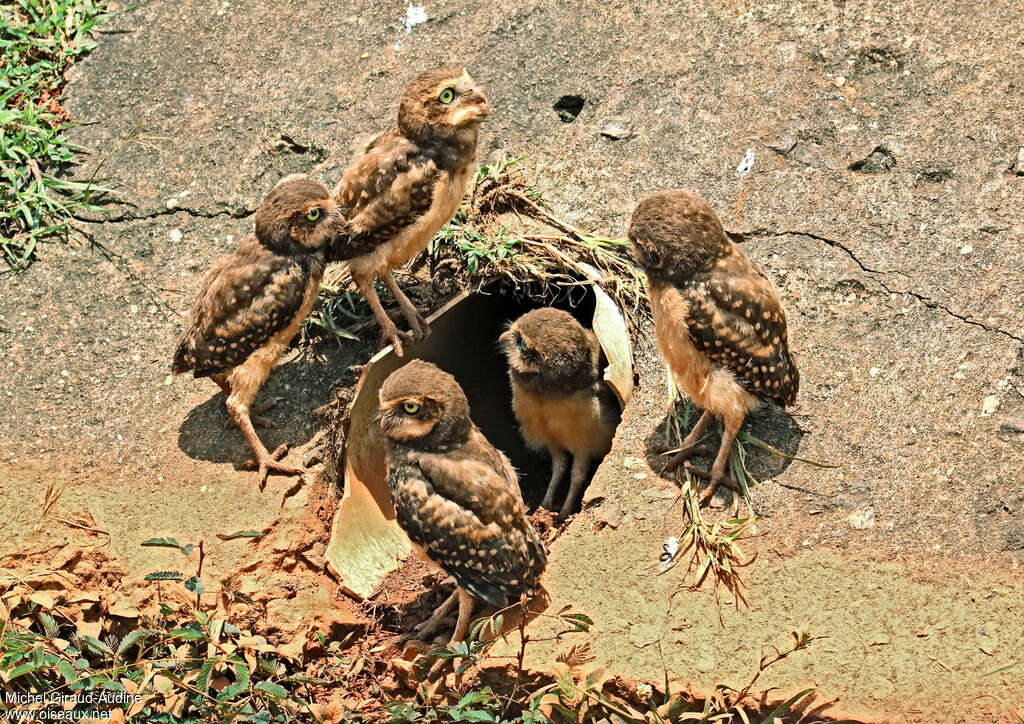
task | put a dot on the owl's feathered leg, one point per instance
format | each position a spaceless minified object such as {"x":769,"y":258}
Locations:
{"x":254,"y":412}
{"x":466,"y":603}
{"x":580,"y":468}
{"x":244,"y":382}
{"x":265,"y":460}
{"x":689,"y":446}
{"x":559,"y":462}
{"x":388,"y":328}
{"x":417,"y":322}
{"x":718,"y":475}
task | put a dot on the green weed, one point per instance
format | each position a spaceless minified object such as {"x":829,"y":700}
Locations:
{"x":39,"y":39}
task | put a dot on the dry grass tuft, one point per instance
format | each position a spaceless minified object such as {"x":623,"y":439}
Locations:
{"x":505,"y":232}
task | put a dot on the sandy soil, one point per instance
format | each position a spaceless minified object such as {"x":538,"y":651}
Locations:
{"x":881,"y":201}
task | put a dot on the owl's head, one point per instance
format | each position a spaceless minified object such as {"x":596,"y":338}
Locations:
{"x":424,"y":407}
{"x":549,"y":348}
{"x":298,"y":215}
{"x":674,"y":233}
{"x":441,"y":103}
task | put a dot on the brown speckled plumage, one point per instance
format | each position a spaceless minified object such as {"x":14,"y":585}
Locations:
{"x":719,"y":321}
{"x":406,"y":184}
{"x":456,"y":496}
{"x":252,"y":302}
{"x":558,"y":396}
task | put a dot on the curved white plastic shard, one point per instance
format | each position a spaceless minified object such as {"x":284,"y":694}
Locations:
{"x":366,"y":543}
{"x":610,"y":327}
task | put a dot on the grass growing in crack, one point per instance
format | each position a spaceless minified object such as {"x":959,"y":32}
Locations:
{"x":39,"y":39}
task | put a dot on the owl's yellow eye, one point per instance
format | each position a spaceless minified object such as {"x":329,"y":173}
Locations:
{"x":410,"y":407}
{"x":313,"y":214}
{"x":447,"y":96}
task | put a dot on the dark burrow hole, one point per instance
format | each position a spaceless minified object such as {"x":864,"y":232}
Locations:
{"x":568,"y":107}
{"x":464,"y":342}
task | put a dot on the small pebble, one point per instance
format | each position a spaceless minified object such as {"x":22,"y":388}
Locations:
{"x":840,"y":81}
{"x":967,"y":250}
{"x":616,"y":129}
{"x":176,"y":235}
{"x":862,"y":519}
{"x":989,"y":405}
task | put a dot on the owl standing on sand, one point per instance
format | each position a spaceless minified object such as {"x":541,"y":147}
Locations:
{"x":559,"y":398}
{"x":405,"y":185}
{"x":719,"y":321}
{"x":252,"y":303}
{"x":456,"y":496}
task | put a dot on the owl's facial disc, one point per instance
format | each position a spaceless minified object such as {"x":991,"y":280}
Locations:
{"x":523,"y":357}
{"x":464,"y":102}
{"x":316,"y":223}
{"x":409,"y":418}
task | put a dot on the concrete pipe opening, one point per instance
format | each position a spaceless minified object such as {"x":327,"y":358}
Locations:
{"x":366,"y":542}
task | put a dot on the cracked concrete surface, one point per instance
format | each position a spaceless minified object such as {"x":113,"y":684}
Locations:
{"x":902,"y":281}
{"x":878,"y":272}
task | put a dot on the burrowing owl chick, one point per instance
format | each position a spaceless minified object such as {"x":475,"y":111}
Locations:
{"x":558,"y":396}
{"x":718,"y":320}
{"x":456,"y":496}
{"x":405,"y":185}
{"x":252,"y":302}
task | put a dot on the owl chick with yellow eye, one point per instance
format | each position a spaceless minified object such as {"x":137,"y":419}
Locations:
{"x":252,"y":302}
{"x":405,"y":185}
{"x":455,"y":495}
{"x":558,"y":396}
{"x":718,"y":320}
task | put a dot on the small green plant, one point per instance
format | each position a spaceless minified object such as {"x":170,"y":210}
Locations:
{"x":714,"y":547}
{"x":337,"y":310}
{"x":494,"y":251}
{"x":38,"y":41}
{"x":729,"y":700}
{"x":477,"y":648}
{"x":182,"y":664}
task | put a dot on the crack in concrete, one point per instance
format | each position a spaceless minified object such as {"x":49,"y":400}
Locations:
{"x":927,"y":301}
{"x":196,"y":213}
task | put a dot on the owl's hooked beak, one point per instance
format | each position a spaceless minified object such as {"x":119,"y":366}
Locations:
{"x":473,"y":108}
{"x":477,"y":98}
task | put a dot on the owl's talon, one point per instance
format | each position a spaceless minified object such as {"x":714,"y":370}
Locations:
{"x":684,"y":455}
{"x":419,"y":325}
{"x":269,"y":463}
{"x":425,"y":629}
{"x":397,"y":338}
{"x":265,"y":405}
{"x":714,"y":481}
